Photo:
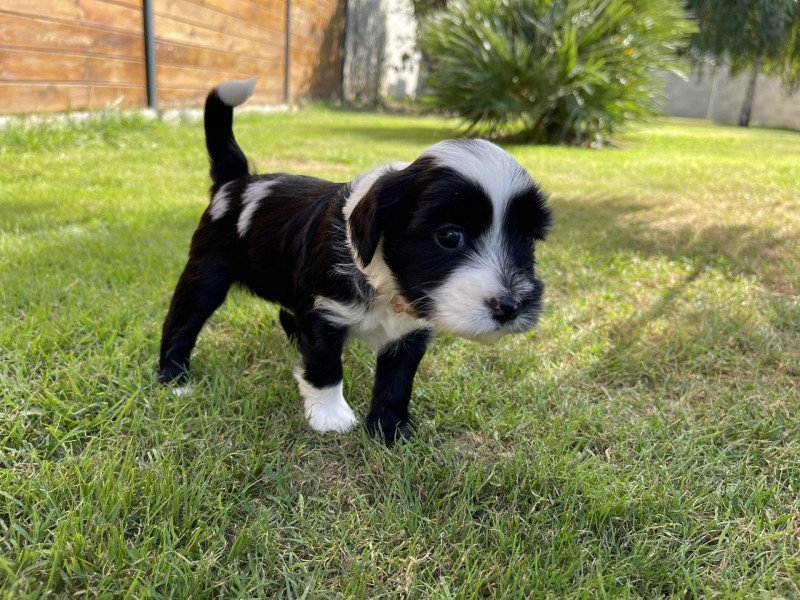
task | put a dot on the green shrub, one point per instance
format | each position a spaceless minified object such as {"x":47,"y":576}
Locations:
{"x":556,"y":71}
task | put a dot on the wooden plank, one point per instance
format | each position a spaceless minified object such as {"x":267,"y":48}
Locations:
{"x":129,"y":3}
{"x":172,"y":98}
{"x":314,"y":25}
{"x":301,"y":73}
{"x":303,"y":21}
{"x":301,"y":56}
{"x":310,"y":5}
{"x":317,"y":48}
{"x":266,"y":11}
{"x":172,"y":76}
{"x":33,"y":32}
{"x":30,"y":97}
{"x":79,"y":45}
{"x":202,"y":91}
{"x":261,"y":26}
{"x":170,"y":30}
{"x":34,"y":65}
{"x":181,"y":55}
{"x":81,"y":12}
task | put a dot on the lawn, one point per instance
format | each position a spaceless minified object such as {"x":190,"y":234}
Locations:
{"x":644,"y":441}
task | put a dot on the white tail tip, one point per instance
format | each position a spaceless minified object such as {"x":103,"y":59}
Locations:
{"x":236,"y":91}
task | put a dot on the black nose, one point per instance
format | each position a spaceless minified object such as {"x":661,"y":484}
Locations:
{"x":503,"y":308}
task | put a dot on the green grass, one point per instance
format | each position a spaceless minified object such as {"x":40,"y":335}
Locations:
{"x":644,"y":441}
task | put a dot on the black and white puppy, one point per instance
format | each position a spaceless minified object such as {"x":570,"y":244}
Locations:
{"x":445,"y":243}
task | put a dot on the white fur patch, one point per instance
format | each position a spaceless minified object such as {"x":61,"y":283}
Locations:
{"x":485,"y":164}
{"x":361,"y":183}
{"x":377,"y":272}
{"x":184,"y":390}
{"x":220,"y":202}
{"x":376,"y":324}
{"x":326,"y":408}
{"x":251,"y":199}
{"x":460,"y":302}
{"x":236,"y":91}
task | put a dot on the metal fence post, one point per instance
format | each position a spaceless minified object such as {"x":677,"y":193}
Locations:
{"x":149,"y":54}
{"x":287,"y":60}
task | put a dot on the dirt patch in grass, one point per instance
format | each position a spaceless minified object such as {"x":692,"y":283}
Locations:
{"x":481,"y":447}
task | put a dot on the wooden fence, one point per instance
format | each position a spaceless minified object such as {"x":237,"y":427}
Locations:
{"x":88,"y":54}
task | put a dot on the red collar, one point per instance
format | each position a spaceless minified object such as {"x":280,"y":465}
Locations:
{"x":400,"y":306}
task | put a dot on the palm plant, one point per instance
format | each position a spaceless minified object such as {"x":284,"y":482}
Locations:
{"x":556,"y":71}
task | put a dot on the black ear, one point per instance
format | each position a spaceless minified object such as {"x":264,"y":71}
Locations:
{"x":365,"y":234}
{"x":381,"y":208}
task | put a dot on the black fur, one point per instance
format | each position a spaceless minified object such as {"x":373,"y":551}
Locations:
{"x":394,"y":378}
{"x":227,"y":160}
{"x":285,"y":257}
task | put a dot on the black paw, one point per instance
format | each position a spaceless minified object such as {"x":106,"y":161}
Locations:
{"x":390,"y":427}
{"x":172,"y":373}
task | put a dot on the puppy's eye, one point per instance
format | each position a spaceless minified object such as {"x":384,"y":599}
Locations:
{"x":450,"y":237}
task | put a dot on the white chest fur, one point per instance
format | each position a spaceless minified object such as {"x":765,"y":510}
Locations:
{"x":376,"y":324}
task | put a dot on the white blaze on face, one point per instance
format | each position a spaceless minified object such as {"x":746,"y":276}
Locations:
{"x":486,"y":165}
{"x":460,"y":302}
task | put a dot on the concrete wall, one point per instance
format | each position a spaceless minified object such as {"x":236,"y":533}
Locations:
{"x":381,"y":59}
{"x":365,"y":42}
{"x":716,"y":95}
{"x":402,"y":59}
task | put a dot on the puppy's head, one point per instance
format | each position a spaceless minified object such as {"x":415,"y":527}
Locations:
{"x":453,"y":234}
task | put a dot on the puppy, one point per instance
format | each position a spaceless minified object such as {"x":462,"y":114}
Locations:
{"x":446,"y":242}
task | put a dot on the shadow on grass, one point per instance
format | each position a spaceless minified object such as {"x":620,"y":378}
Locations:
{"x":603,"y":226}
{"x":715,"y":336}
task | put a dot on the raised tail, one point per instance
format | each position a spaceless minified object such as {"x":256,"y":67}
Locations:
{"x":228,"y":162}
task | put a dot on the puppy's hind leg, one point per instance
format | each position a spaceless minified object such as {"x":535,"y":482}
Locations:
{"x":200,"y":291}
{"x":320,"y":377}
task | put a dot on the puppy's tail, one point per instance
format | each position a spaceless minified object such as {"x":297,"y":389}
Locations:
{"x":227,"y":160}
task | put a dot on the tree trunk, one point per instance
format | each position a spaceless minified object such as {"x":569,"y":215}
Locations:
{"x":747,"y":107}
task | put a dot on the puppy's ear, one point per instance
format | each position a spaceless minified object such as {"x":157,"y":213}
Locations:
{"x":365,"y":234}
{"x":382,"y":207}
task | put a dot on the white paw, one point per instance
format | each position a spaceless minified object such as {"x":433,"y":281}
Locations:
{"x":184,"y":390}
{"x":325,"y":408}
{"x":338,"y":416}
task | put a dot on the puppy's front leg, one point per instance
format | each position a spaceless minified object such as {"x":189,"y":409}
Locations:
{"x":320,"y":376}
{"x":394,"y":377}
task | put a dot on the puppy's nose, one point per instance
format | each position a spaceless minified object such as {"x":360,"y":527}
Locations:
{"x":503,"y":308}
